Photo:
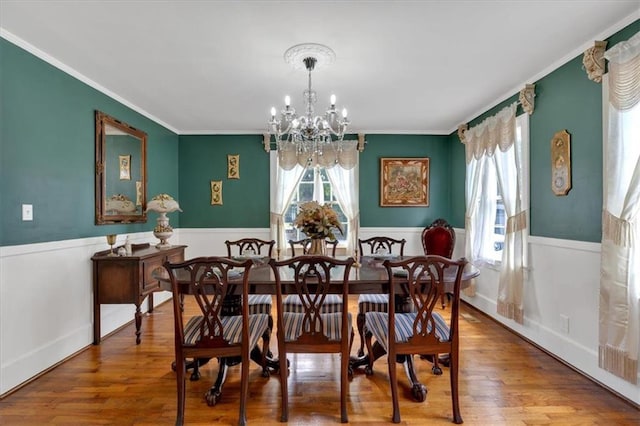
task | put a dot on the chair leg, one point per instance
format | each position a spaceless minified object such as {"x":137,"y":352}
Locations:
{"x":180,"y":380}
{"x":244,"y":392}
{"x":442,"y":300}
{"x":369,"y":368}
{"x":344,"y":386}
{"x":393,"y":381}
{"x":360,"y":322}
{"x":453,"y":374}
{"x":284,"y":377}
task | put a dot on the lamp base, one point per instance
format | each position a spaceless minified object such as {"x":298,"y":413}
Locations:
{"x":163,"y":231}
{"x":163,"y":237}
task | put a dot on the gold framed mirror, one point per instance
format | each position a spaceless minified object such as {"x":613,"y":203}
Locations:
{"x":121,"y":171}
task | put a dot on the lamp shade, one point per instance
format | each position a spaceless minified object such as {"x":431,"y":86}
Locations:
{"x":163,"y":203}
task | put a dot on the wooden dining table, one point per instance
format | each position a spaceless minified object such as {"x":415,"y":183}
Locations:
{"x":368,"y":276}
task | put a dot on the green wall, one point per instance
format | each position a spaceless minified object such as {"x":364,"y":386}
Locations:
{"x":47,"y":152}
{"x":384,"y":146}
{"x":246,"y":200}
{"x":565,"y":99}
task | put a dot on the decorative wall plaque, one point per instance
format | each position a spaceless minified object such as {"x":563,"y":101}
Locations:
{"x":233,"y":166}
{"x":216,"y":192}
{"x":561,"y":163}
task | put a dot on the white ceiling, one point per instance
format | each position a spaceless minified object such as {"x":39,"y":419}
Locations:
{"x":401,"y":66}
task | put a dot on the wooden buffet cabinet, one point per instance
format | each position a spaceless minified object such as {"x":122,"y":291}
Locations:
{"x":128,"y":279}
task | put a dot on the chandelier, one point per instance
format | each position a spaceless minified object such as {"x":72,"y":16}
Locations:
{"x":308,"y":139}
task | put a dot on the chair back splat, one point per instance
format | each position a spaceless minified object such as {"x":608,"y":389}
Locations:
{"x":313,"y":328}
{"x":209,"y":333}
{"x":258,"y":303}
{"x":423,"y":330}
{"x":375,"y":243}
{"x":258,"y":246}
{"x":374,"y":302}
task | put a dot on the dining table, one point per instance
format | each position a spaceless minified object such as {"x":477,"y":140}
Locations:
{"x":367,"y":276}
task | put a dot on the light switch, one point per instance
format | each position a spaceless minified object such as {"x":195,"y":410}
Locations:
{"x":27,"y":212}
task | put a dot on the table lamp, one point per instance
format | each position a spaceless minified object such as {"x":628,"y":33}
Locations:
{"x":163,"y":204}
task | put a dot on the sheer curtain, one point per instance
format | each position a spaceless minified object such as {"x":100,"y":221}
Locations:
{"x":345,"y":185}
{"x":619,"y":279}
{"x":286,"y":182}
{"x":494,"y":157}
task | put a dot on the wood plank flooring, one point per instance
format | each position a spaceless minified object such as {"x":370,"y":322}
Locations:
{"x":503,"y":381}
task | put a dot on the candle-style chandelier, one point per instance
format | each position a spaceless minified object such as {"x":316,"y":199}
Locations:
{"x":309,"y":139}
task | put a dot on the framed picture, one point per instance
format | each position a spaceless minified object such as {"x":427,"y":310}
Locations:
{"x":233,"y":166}
{"x":216,"y":192}
{"x":125,"y":167}
{"x":404,"y":182}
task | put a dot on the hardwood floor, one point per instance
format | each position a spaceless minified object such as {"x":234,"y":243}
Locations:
{"x":503,"y":381}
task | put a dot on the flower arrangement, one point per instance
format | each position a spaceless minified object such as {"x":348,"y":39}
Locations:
{"x":317,"y":221}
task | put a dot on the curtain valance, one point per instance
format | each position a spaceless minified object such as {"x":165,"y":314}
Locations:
{"x":495,"y":131}
{"x":624,"y":73}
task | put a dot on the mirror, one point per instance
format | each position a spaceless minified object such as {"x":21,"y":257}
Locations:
{"x":121,"y":179}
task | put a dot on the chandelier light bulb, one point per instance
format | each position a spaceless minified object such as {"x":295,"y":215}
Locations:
{"x":333,"y":100}
{"x":273,"y":112}
{"x":287,"y":101}
{"x":344,"y":113}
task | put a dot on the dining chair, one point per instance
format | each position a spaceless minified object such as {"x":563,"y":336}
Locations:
{"x":333,"y":302}
{"x":258,"y":303}
{"x":313,"y":330}
{"x":209,"y":333}
{"x":439,"y":238}
{"x":305,"y":243}
{"x":258,"y":246}
{"x":422,"y":331}
{"x":375,"y":302}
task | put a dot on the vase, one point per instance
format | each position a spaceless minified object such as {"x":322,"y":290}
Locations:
{"x":317,"y":247}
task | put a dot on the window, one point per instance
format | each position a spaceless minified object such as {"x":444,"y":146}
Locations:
{"x":314,"y":185}
{"x":496,"y":221}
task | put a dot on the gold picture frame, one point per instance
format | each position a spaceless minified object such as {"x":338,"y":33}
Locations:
{"x":233,"y":166}
{"x":125,"y":167}
{"x":561,"y":162}
{"x":216,"y":192}
{"x":404,"y":182}
{"x":138,"y":193}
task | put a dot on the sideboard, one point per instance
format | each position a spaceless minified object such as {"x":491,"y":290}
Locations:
{"x":128,"y":279}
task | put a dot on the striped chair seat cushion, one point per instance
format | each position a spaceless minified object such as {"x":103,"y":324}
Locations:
{"x":373,"y":303}
{"x":378,"y":324}
{"x":332,"y":303}
{"x":232,"y":328}
{"x":259,"y":304}
{"x":331,"y":325}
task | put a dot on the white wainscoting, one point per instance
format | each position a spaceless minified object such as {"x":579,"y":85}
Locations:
{"x":46,"y":303}
{"x":562,"y":279}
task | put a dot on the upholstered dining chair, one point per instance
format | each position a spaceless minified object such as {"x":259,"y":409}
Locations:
{"x":258,"y":303}
{"x":422,"y":331}
{"x":302,"y":246}
{"x":374,"y":302}
{"x":292,"y":303}
{"x":313,"y":330}
{"x":209,"y":333}
{"x":439,"y":238}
